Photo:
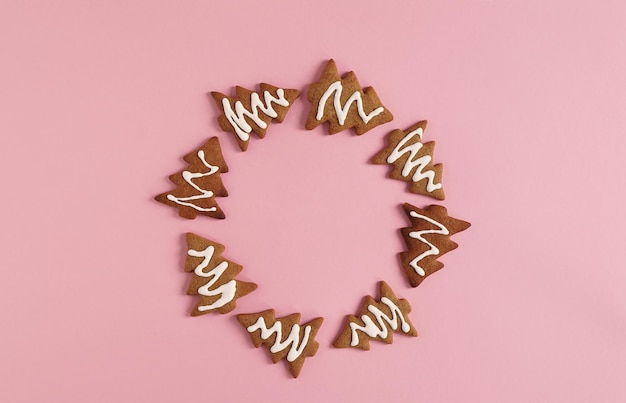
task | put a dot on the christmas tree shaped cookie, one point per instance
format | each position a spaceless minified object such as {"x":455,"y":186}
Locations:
{"x":213,"y":277}
{"x":343,"y":104}
{"x":412,"y":161}
{"x":377,"y":320}
{"x":199,"y":184}
{"x":284,"y":337}
{"x":251,"y":112}
{"x":427,"y":239}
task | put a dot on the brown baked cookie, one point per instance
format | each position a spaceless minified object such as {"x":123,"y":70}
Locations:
{"x":252,"y":111}
{"x":343,"y":104}
{"x":284,"y":337}
{"x":412,"y":161}
{"x":427,"y":239}
{"x":213,"y":277}
{"x":377,"y":320}
{"x":199,"y":184}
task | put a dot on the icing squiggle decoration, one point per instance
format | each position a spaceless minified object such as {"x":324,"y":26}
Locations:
{"x":285,"y":338}
{"x":343,"y":103}
{"x":419,"y":236}
{"x":213,"y":277}
{"x":373,"y":331}
{"x":189,"y":177}
{"x":411,"y":163}
{"x":427,"y":239}
{"x":226,"y":291}
{"x":237,"y":117}
{"x":376,"y":320}
{"x":292,"y":339}
{"x":199,"y":183}
{"x":342,"y":112}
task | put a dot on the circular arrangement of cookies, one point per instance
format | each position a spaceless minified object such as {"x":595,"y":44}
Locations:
{"x":343,"y":104}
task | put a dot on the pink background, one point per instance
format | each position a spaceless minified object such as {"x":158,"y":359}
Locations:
{"x":525,"y":100}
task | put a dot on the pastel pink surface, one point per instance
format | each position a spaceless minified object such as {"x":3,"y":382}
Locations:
{"x":525,"y":100}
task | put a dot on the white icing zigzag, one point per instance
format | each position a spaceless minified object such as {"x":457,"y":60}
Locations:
{"x":411,"y":163}
{"x":189,"y":177}
{"x":419,"y":236}
{"x":225,"y":291}
{"x":237,"y":117}
{"x":292,"y":339}
{"x":370,"y":328}
{"x":342,"y":112}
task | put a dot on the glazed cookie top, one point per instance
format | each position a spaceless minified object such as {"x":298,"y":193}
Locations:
{"x":412,"y":160}
{"x":343,"y":104}
{"x":428,"y":238}
{"x":251,"y":112}
{"x":213,"y":277}
{"x":199,"y":184}
{"x":377,"y":320}
{"x":285,"y":337}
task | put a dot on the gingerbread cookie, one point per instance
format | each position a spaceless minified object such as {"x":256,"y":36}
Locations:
{"x":376,"y":321}
{"x":412,"y":161}
{"x":213,"y":277}
{"x":251,"y":112}
{"x":199,"y":184}
{"x":427,"y":238}
{"x":285,"y":337}
{"x":343,"y":104}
